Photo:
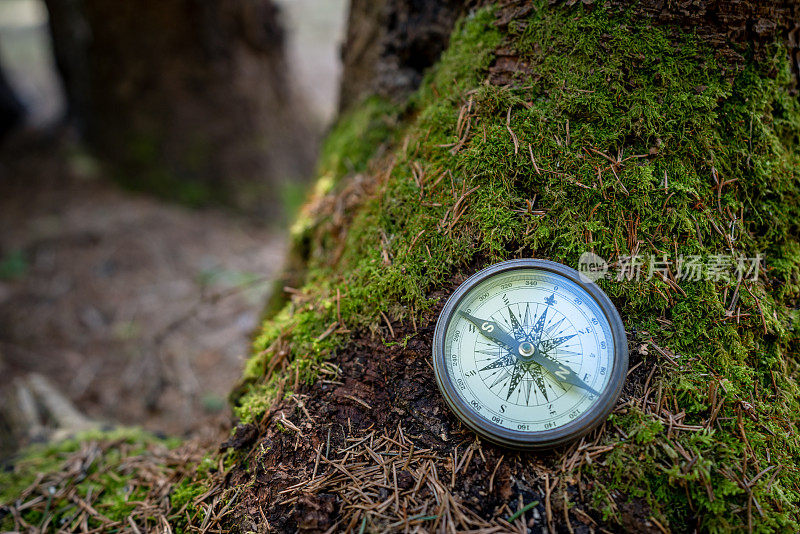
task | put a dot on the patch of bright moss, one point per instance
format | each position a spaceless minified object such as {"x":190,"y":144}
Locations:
{"x":353,"y":140}
{"x":476,"y":174}
{"x":111,"y":493}
{"x":185,"y":492}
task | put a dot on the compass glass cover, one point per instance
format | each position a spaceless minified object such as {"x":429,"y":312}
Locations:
{"x":527,"y":350}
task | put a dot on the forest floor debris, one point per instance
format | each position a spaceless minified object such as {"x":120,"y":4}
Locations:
{"x":89,"y":277}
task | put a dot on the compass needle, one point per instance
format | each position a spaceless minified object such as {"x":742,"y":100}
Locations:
{"x":529,"y":355}
{"x":491,"y":330}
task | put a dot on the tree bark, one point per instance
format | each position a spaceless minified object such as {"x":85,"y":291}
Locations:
{"x":188,"y":99}
{"x":70,"y":35}
{"x":390,"y":43}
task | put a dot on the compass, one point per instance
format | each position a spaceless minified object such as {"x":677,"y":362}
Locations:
{"x":530,"y":354}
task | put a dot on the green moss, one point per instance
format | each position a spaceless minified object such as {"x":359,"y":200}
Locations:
{"x":114,"y":473}
{"x":101,"y":481}
{"x":13,"y":266}
{"x":186,"y":491}
{"x":353,"y":145}
{"x":354,"y":139}
{"x":471,"y":174}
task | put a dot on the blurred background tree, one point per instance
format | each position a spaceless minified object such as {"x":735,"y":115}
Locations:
{"x":134,"y":308}
{"x":187,"y":99}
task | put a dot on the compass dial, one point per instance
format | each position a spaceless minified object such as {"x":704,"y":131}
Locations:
{"x":530,"y":355}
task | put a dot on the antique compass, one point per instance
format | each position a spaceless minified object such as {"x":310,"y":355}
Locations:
{"x":530,"y":354}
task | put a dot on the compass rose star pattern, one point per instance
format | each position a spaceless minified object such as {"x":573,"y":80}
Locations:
{"x":506,"y":374}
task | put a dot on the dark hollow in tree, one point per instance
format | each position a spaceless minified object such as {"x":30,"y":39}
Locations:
{"x":12,"y":111}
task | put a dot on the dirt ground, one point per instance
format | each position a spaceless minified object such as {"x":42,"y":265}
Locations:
{"x":368,"y":448}
{"x":137,"y":310}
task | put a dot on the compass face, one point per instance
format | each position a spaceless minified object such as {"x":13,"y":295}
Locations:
{"x":529,"y":354}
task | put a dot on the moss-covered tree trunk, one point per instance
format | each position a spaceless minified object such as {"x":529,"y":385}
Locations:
{"x":644,"y":133}
{"x":189,"y":99}
{"x":544,"y":130}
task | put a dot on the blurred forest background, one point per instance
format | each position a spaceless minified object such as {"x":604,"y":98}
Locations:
{"x":150,"y":156}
